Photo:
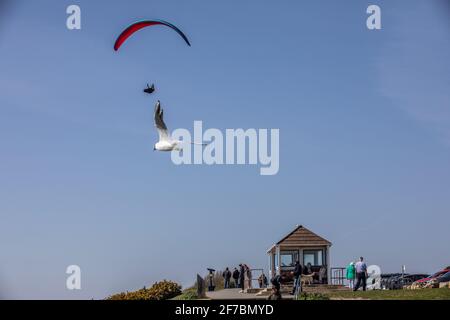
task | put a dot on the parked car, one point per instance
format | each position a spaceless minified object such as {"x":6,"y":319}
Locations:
{"x":443,"y":278}
{"x":434,"y":276}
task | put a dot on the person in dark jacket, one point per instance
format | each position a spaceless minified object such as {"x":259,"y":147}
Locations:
{"x":308,"y":269}
{"x":226,"y":278}
{"x":276,"y":282}
{"x":262,"y":281}
{"x":236,"y":278}
{"x":276,"y":288}
{"x":241,"y":276}
{"x":297,"y":277}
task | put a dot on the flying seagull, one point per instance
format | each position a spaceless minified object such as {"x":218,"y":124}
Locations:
{"x":166,"y":143}
{"x":149,"y":89}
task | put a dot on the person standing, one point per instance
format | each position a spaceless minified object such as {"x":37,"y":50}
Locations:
{"x":323,"y":275}
{"x":236,"y":278}
{"x":226,"y":278}
{"x":260,"y":281}
{"x":265,"y":281}
{"x":297,"y":278}
{"x":241,"y":276}
{"x":248,"y":277}
{"x":361,"y":274}
{"x":351,"y":274}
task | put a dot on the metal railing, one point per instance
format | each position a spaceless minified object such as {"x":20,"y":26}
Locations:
{"x":338,"y":276}
{"x":255,"y":280}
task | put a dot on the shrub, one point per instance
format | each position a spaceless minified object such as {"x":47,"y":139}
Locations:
{"x":163,"y":290}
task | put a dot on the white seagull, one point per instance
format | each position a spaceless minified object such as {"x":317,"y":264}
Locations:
{"x":165,"y":143}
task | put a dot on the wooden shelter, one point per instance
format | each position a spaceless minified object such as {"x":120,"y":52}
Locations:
{"x":300,"y":245}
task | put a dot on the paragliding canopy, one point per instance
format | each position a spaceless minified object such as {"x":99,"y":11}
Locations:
{"x":128,"y":32}
{"x":149,"y":89}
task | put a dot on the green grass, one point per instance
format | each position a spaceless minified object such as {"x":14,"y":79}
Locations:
{"x":421,"y":294}
{"x":312,"y":296}
{"x":188,"y":294}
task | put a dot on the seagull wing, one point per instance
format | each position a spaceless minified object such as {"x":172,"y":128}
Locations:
{"x":159,"y":123}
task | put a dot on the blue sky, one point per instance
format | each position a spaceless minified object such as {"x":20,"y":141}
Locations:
{"x":364,"y":119}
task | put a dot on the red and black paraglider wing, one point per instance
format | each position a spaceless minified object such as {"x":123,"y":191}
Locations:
{"x":128,"y":32}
